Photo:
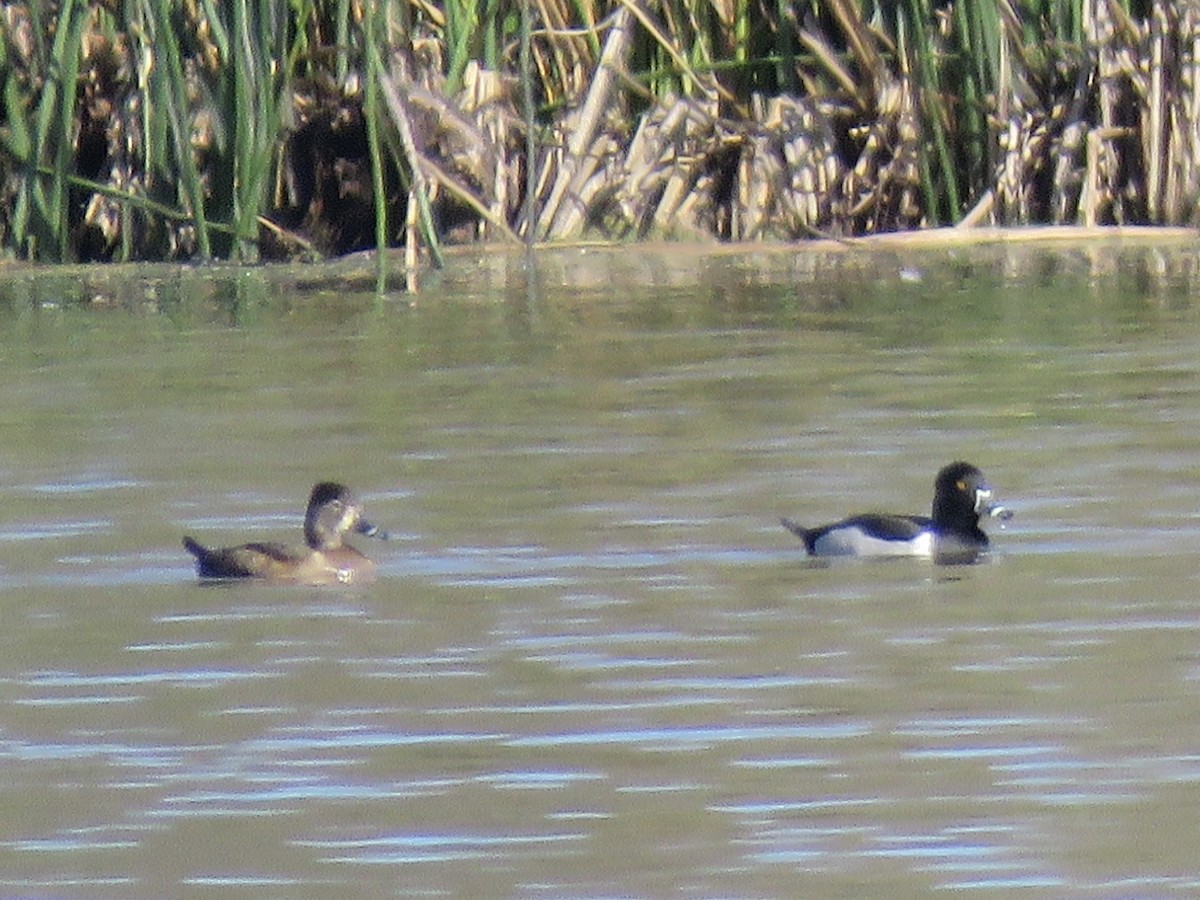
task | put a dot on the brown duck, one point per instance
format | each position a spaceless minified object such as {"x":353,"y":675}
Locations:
{"x":333,"y":510}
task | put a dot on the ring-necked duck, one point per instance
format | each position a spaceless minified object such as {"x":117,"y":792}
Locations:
{"x":333,"y":510}
{"x":960,"y":497}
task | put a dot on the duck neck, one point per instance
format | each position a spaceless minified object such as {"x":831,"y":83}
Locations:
{"x":947,"y":515}
{"x":319,"y":538}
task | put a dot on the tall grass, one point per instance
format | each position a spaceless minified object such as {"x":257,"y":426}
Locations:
{"x":225,"y":128}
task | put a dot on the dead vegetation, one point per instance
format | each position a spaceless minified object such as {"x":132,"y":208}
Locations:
{"x":708,"y":120}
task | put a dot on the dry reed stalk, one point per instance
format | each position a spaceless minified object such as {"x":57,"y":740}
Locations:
{"x":1119,"y":82}
{"x":650,"y":160}
{"x":403,"y":123}
{"x":485,"y":99}
{"x":1184,"y":170}
{"x":831,"y":63}
{"x":422,"y":167}
{"x":1067,"y":154}
{"x":564,"y":60}
{"x":563,"y":218}
{"x":662,"y":164}
{"x":1036,"y":234}
{"x":791,"y":186}
{"x":412,"y":244}
{"x":759,"y":174}
{"x":1154,"y":132}
{"x":811,"y":157}
{"x":863,"y":45}
{"x":880,"y":187}
{"x":1023,"y":143}
{"x":1179,"y":32}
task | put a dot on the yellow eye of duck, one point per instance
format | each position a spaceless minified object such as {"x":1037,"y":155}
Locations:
{"x":962,"y":485}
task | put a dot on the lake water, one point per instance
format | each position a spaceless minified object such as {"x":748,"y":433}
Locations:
{"x":594,"y":664}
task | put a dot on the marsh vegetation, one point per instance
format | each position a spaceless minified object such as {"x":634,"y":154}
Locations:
{"x":192,"y":129}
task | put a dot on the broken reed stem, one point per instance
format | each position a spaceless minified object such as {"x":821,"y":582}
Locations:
{"x":583,"y":136}
{"x":416,"y":169}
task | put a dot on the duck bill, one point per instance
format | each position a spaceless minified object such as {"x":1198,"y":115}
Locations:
{"x":362,"y":526}
{"x":985,"y":507}
{"x":997,"y":511}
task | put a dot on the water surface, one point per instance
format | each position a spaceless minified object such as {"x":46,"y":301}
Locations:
{"x":594,"y":665}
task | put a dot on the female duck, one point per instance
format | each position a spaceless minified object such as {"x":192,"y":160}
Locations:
{"x":333,"y":510}
{"x":960,"y":497}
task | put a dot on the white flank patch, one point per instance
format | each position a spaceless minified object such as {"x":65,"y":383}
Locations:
{"x":853,"y":542}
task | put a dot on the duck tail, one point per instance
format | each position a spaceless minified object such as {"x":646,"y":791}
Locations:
{"x":193,"y":547}
{"x":805,"y":534}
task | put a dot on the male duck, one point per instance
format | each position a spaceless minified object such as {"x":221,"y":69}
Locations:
{"x":333,"y":510}
{"x":960,"y":497}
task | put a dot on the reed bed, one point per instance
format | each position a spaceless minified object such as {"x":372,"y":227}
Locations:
{"x":194,"y":129}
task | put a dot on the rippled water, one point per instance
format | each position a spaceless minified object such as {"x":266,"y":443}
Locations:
{"x":594,"y":665}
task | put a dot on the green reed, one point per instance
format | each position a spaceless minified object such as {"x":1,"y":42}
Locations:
{"x":35,"y":140}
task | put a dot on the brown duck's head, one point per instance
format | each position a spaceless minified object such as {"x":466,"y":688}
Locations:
{"x":333,"y":510}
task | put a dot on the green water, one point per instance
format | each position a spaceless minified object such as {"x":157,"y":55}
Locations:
{"x":594,"y":664}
